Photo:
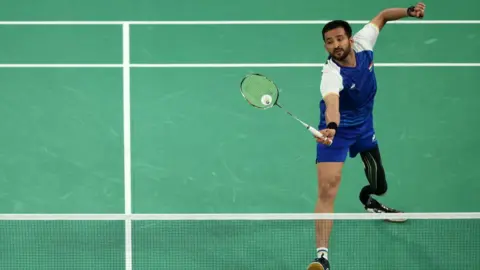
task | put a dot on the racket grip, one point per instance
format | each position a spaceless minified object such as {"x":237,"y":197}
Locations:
{"x":317,"y":134}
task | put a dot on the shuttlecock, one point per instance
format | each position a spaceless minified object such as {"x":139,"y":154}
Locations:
{"x":266,"y":100}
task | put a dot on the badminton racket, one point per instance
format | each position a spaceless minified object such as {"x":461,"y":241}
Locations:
{"x":262,"y":93}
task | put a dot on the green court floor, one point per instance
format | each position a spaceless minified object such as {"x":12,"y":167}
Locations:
{"x":198,"y":147}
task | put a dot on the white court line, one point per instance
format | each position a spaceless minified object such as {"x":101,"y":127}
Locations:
{"x":227,"y":65}
{"x":297,"y":65}
{"x":61,"y":65}
{"x":243,"y":22}
{"x":127,"y":145}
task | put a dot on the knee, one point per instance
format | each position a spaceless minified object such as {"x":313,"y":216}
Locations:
{"x":382,"y":188}
{"x":328,"y":186}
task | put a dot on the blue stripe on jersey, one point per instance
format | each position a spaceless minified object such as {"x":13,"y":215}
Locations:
{"x":359,"y":90}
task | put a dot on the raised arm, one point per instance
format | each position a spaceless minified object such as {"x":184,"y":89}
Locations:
{"x":393,"y":14}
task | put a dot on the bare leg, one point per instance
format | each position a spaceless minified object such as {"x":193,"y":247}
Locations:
{"x":328,"y":174}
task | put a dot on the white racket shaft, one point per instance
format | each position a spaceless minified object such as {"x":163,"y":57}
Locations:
{"x":315,"y":132}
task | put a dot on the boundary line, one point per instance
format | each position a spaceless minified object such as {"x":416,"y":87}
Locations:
{"x":296,"y":65}
{"x":224,"y":65}
{"x":61,"y":65}
{"x":127,"y":145}
{"x":219,"y":22}
{"x":256,"y":216}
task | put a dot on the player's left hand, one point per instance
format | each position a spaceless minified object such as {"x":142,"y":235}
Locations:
{"x":419,"y":10}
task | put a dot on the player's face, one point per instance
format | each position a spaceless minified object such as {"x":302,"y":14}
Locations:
{"x":337,"y":43}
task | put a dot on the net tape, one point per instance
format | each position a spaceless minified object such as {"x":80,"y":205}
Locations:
{"x":259,"y":216}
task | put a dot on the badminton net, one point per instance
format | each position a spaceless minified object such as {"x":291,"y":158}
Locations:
{"x":237,"y":241}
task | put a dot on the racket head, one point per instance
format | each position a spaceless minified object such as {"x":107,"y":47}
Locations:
{"x":259,"y":91}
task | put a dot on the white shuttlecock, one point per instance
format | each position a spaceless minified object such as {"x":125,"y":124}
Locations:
{"x":266,"y":100}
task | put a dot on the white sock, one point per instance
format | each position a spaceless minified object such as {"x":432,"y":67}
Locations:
{"x":322,"y":251}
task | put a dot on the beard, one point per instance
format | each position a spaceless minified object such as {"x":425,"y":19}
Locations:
{"x":340,"y":54}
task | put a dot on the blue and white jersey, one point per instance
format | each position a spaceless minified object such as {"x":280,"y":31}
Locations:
{"x":356,"y":86}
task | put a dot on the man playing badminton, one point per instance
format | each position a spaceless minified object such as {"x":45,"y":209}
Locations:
{"x":348,"y":87}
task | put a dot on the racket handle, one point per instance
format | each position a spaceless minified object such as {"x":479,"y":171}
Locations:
{"x":317,"y":134}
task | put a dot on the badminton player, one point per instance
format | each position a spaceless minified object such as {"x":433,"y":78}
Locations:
{"x":348,"y":87}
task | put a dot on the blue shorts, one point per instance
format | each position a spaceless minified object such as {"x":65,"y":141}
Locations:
{"x":353,"y":139}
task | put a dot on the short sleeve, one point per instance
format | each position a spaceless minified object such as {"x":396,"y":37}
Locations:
{"x":331,"y":81}
{"x":366,"y":38}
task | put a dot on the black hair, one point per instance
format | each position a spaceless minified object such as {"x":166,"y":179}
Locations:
{"x":336,"y":24}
